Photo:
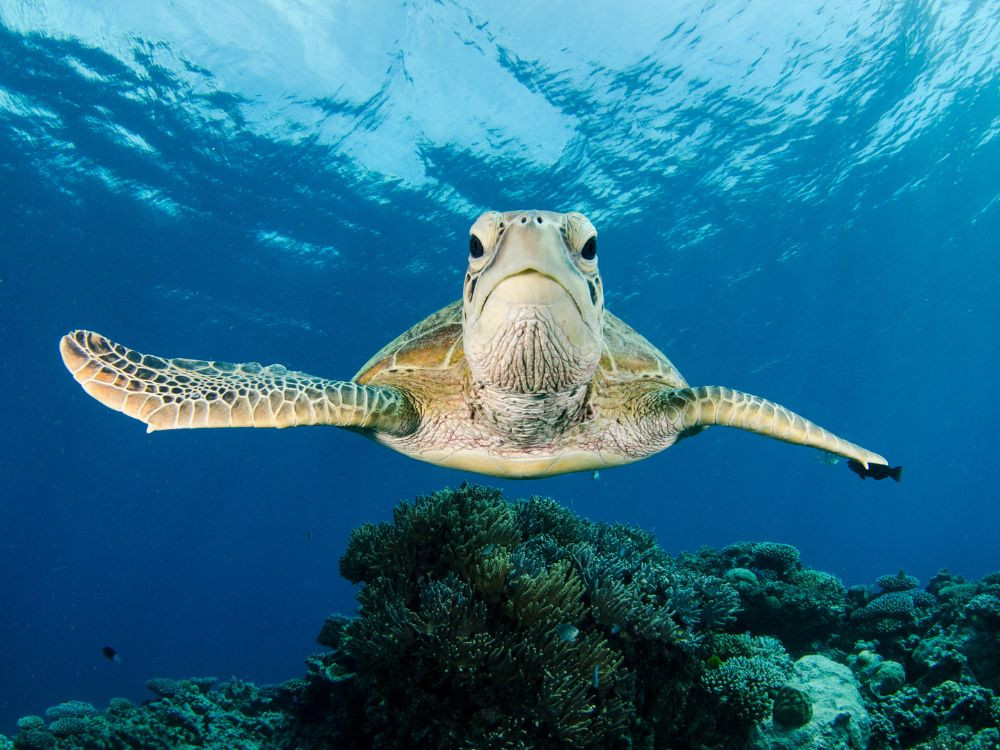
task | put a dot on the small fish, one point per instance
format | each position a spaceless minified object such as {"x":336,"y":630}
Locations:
{"x":110,"y":654}
{"x":488,"y":549}
{"x":875,"y":471}
{"x":595,"y":475}
{"x":830,"y":459}
{"x":616,"y":629}
{"x":309,"y":535}
{"x":567,"y":632}
{"x":622,"y":551}
{"x":597,"y":676}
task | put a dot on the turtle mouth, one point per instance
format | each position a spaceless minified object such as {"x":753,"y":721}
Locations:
{"x":530,"y":287}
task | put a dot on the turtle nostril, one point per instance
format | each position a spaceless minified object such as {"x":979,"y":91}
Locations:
{"x":538,"y":219}
{"x":524,"y":219}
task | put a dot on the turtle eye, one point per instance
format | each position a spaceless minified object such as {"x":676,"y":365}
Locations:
{"x":589,"y":250}
{"x":475,"y":247}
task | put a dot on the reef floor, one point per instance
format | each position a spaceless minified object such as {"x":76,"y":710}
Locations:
{"x":487,"y":623}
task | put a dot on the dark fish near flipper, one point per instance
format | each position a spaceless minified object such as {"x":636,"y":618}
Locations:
{"x":875,"y":471}
{"x":110,"y":654}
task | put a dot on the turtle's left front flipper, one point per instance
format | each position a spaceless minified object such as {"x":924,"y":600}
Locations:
{"x":170,"y":394}
{"x":687,"y":409}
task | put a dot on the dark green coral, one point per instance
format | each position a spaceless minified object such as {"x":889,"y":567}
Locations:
{"x":579,"y":630}
{"x":792,"y":707}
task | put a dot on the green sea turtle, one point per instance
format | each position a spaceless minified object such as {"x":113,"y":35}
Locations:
{"x":526,"y":376}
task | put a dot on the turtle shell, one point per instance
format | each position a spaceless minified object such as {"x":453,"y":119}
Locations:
{"x":629,"y":356}
{"x":435,"y":343}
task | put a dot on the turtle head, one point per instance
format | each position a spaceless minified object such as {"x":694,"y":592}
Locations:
{"x":533,"y":303}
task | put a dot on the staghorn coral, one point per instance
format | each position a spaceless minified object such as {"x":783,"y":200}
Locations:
{"x":543,"y":516}
{"x":568,"y":624}
{"x":468,"y":620}
{"x":454,"y":536}
{"x":551,"y":597}
{"x":647,"y":615}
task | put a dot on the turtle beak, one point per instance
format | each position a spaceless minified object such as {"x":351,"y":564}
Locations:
{"x":530,"y":325}
{"x":532,"y":268}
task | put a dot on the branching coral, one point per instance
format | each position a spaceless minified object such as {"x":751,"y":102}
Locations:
{"x":543,"y":516}
{"x":781,"y":558}
{"x":554,"y":596}
{"x":801,"y":606}
{"x":898,"y":582}
{"x":983,"y":610}
{"x":769,"y":559}
{"x":894,"y":611}
{"x":471,"y":602}
{"x":743,"y":686}
{"x":443,"y":532}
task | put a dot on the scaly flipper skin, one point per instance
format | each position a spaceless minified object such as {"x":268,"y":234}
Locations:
{"x":170,"y":394}
{"x":687,"y":409}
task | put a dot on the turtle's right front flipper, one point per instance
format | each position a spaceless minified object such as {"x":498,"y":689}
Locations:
{"x":686,"y":410}
{"x":169,"y":394}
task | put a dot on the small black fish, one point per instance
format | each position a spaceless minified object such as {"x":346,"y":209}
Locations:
{"x":110,"y":654}
{"x":875,"y":471}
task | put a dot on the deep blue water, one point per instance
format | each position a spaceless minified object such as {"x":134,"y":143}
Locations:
{"x":803,"y":204}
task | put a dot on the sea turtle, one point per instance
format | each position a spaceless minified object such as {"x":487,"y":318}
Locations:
{"x":526,"y":376}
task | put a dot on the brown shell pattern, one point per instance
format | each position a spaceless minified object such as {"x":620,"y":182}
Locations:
{"x":435,"y":343}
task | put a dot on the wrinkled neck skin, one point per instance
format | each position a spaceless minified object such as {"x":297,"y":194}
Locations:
{"x":532,"y":321}
{"x":530,"y":379}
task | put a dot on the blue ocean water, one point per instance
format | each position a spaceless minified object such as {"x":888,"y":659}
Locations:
{"x":803,"y":204}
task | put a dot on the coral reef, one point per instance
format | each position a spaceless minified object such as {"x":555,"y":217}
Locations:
{"x":931,"y":662}
{"x":311,"y":713}
{"x":838,"y":718}
{"x":489,"y":623}
{"x":568,"y":625}
{"x":793,"y":707}
{"x":803,"y":608}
